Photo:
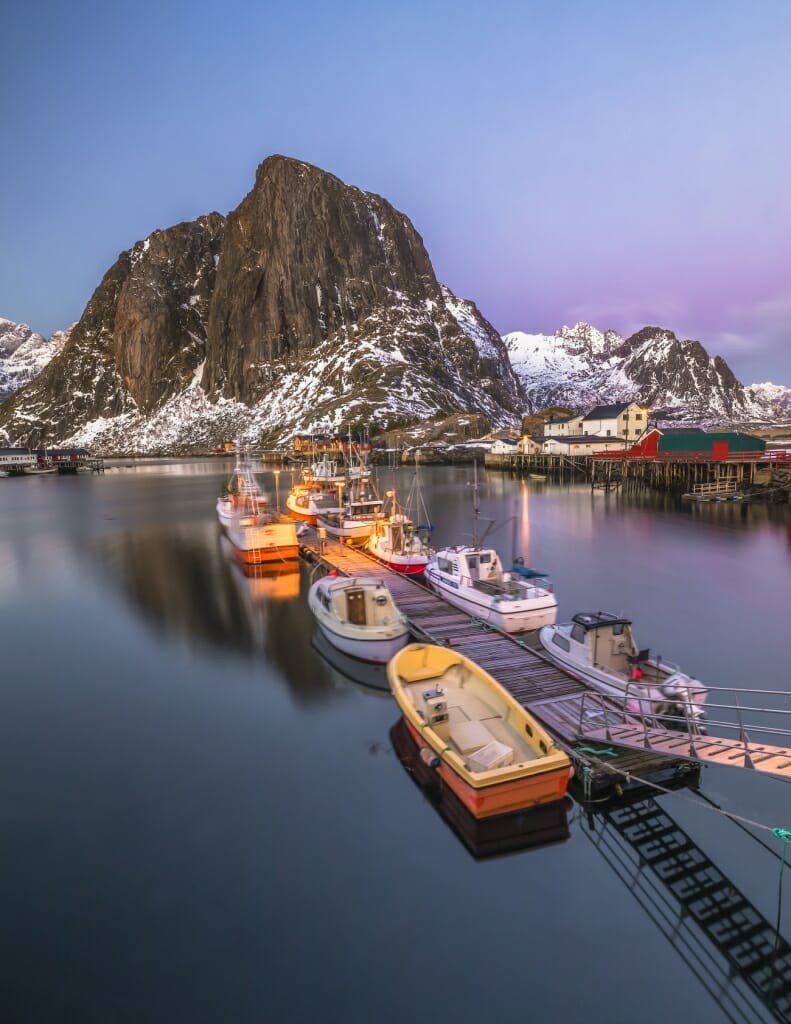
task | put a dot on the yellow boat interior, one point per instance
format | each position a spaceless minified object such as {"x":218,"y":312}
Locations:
{"x":469,"y":712}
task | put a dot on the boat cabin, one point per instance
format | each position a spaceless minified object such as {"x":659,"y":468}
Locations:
{"x":358,"y":603}
{"x":604,"y":641}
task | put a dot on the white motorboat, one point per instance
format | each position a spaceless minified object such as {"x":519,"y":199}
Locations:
{"x":601,"y":648}
{"x":359,"y":617}
{"x":473,"y":579}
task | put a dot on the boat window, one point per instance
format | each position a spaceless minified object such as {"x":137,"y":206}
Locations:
{"x":486,"y":557}
{"x":578,"y":634}
{"x":561,"y":641}
{"x":617,"y":629}
{"x":473,"y":563}
{"x":444,"y":565}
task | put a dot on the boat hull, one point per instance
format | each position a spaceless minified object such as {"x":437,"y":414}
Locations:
{"x":408,"y":564}
{"x":503,"y":797}
{"x":375,"y":652}
{"x":541,"y":612}
{"x":268,"y":544}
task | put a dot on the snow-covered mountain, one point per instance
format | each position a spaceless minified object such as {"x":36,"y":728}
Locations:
{"x":24,"y":354}
{"x":581,"y":366}
{"x":312,"y":305}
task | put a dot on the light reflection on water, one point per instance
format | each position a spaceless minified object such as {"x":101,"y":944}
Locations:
{"x":204,"y":818}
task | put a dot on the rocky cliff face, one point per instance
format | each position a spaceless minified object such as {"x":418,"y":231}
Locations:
{"x":313,"y":304}
{"x":580,"y":367}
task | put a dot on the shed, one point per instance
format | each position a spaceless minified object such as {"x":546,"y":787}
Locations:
{"x":719,"y":443}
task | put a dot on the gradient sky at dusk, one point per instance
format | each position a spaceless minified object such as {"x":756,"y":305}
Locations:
{"x":616,"y":162}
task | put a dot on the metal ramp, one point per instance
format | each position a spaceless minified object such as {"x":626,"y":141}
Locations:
{"x":732,"y":949}
{"x":614,"y":721}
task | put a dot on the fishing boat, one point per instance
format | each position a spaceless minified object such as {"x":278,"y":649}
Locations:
{"x":354,"y":521}
{"x":263,"y":538}
{"x":242,"y":493}
{"x":395,"y":541}
{"x":305,"y":501}
{"x":483,"y":744}
{"x":259,"y":535}
{"x":359,"y":617}
{"x":601,"y":648}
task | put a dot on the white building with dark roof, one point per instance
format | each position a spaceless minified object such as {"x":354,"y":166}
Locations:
{"x":625,"y":420}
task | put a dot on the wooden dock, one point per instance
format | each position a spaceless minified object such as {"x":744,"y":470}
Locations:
{"x":549,"y":692}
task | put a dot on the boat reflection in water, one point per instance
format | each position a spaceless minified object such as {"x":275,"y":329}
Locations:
{"x":364,"y":673}
{"x":483,"y":837}
{"x":263,"y":582}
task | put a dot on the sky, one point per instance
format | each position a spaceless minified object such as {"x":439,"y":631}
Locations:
{"x":621,"y":163}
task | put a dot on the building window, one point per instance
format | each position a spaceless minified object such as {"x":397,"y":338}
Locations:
{"x":608,"y":433}
{"x":638,"y":415}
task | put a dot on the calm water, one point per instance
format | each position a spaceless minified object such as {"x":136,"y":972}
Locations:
{"x":202,"y":820}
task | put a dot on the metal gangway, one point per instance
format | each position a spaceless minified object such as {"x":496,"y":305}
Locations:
{"x":761,"y":744}
{"x":739,"y":956}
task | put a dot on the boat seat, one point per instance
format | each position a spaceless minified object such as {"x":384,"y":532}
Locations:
{"x":493,"y":755}
{"x":468,"y":737}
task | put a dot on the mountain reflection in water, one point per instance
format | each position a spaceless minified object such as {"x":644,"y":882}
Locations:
{"x":186,"y":583}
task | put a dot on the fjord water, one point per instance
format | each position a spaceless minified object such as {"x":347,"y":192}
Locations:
{"x":203,"y":820}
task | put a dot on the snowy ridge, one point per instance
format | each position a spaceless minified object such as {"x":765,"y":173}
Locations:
{"x":580,"y":366}
{"x":24,"y":354}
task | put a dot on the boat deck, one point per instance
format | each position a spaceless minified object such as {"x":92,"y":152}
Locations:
{"x":554,"y":696}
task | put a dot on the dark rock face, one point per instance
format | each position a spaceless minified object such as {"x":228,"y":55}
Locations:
{"x":305,"y":257}
{"x":308,"y":280}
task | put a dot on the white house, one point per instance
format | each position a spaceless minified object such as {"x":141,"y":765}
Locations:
{"x":585,"y":444}
{"x":16,"y":459}
{"x":626,"y":420}
{"x":563,"y":426}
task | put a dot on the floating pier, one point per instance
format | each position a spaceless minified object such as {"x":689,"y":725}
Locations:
{"x":550,"y":693}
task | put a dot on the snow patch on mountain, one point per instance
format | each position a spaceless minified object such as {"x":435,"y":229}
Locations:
{"x":581,"y":366}
{"x":24,"y":354}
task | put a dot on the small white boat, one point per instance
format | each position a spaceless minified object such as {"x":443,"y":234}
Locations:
{"x":359,"y":617}
{"x":3,"y":472}
{"x":601,"y":648}
{"x":473,"y":579}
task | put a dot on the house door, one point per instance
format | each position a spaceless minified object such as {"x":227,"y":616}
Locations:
{"x":355,"y":607}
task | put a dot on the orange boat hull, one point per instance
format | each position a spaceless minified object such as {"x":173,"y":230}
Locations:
{"x":503,"y":797}
{"x":266,"y":556}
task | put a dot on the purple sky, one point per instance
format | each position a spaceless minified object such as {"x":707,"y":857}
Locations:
{"x":620,"y":163}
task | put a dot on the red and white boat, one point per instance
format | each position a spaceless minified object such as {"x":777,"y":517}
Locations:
{"x":396,"y":542}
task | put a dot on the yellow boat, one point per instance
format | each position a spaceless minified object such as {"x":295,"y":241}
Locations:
{"x":484,"y":745}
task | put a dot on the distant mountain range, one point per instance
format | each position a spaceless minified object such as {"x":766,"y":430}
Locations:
{"x":581,"y":367}
{"x":314,"y":305}
{"x":24,"y":354}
